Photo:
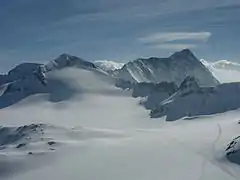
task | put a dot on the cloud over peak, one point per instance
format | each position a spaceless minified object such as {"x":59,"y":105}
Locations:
{"x":175,"y":36}
{"x":171,"y":40}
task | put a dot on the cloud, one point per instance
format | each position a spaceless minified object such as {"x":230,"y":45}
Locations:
{"x":176,"y":36}
{"x":82,"y":26}
{"x":173,"y":40}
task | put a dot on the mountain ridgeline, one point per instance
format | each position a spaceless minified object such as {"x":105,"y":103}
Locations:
{"x":172,"y":69}
{"x":70,"y":91}
{"x":29,"y":78}
{"x":163,"y":84}
{"x":192,"y":100}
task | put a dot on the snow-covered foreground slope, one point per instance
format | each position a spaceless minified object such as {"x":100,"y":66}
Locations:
{"x":102,"y":133}
{"x":186,"y":150}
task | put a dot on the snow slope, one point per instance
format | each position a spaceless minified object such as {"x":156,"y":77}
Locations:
{"x":173,"y":69}
{"x":181,"y":150}
{"x":192,"y":100}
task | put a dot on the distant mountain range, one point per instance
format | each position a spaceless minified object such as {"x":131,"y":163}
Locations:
{"x":108,"y":66}
{"x":222,"y":64}
{"x":69,"y":102}
{"x":164,"y":84}
{"x":29,"y":78}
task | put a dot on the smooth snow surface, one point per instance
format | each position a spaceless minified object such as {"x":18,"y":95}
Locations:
{"x":101,"y":132}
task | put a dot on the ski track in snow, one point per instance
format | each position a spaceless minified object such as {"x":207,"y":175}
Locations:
{"x":211,"y":158}
{"x":186,"y":146}
{"x":215,"y":152}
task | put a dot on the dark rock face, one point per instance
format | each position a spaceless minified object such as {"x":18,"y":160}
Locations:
{"x":66,"y":60}
{"x":19,"y":72}
{"x":120,"y":83}
{"x":12,"y":135}
{"x":192,"y":101}
{"x":148,"y":89}
{"x":172,"y":69}
{"x":51,"y":143}
{"x":233,"y":150}
{"x":160,"y":92}
{"x":189,"y":85}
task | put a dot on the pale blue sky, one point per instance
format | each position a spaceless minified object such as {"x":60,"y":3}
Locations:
{"x":121,"y":30}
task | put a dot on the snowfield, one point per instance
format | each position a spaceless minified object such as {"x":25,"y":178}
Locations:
{"x":87,"y":128}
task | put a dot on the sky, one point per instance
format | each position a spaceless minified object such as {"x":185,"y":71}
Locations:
{"x":119,"y":30}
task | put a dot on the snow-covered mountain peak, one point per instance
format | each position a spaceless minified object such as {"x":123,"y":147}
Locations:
{"x":66,"y":60}
{"x":24,"y":68}
{"x":107,"y":65}
{"x":19,"y":72}
{"x":172,"y":69}
{"x":28,"y":70}
{"x":185,"y":53}
{"x":224,"y":70}
{"x":65,"y":56}
{"x":221,"y":64}
{"x":226,"y":65}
